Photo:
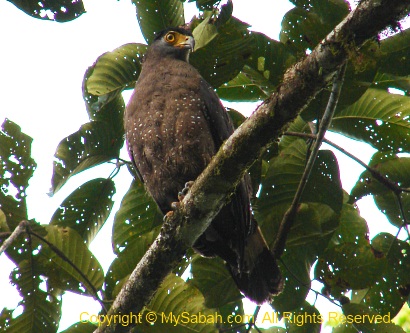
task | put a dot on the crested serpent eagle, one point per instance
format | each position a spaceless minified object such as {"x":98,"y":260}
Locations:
{"x":174,"y":124}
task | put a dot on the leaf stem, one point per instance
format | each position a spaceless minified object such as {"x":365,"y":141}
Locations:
{"x":289,"y":217}
{"x":22,"y":226}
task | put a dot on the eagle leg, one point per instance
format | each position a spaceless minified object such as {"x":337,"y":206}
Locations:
{"x":184,"y":192}
{"x":181,"y":196}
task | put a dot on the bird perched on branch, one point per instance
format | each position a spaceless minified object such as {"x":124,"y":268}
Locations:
{"x":174,"y":124}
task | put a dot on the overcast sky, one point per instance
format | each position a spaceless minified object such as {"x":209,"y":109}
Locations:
{"x":41,"y":71}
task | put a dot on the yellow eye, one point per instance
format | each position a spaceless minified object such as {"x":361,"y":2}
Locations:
{"x":170,"y":37}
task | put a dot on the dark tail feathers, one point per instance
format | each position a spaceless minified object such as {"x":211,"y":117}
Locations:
{"x":260,"y":278}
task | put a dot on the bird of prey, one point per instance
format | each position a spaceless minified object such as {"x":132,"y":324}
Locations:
{"x":174,"y":124}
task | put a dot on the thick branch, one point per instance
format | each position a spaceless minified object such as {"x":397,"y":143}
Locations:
{"x":213,"y":187}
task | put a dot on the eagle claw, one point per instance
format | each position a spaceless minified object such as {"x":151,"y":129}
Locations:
{"x":183,"y":193}
{"x":181,"y":196}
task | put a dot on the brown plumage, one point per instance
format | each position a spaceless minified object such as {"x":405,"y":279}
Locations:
{"x":174,"y":124}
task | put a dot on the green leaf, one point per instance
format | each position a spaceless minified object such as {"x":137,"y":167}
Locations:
{"x":368,"y":321}
{"x":137,"y":215}
{"x":233,"y":316}
{"x":378,"y":118}
{"x":394,"y":168}
{"x":349,"y":266}
{"x":270,"y":58}
{"x":87,"y":208}
{"x":95,"y":142}
{"x":204,"y":33}
{"x":269,"y":330}
{"x":60,"y":272}
{"x":352,"y":228}
{"x":395,"y":54}
{"x":221,"y":59}
{"x":16,"y":168}
{"x":310,"y":21}
{"x":390,"y":166}
{"x":205,"y":4}
{"x":175,"y":297}
{"x":212,"y":278}
{"x":81,"y":327}
{"x":388,"y":205}
{"x":388,"y":295}
{"x":156,"y":15}
{"x":126,"y":261}
{"x":59,"y":11}
{"x":263,"y":71}
{"x":282,"y":179}
{"x":343,"y":328}
{"x":298,"y":263}
{"x":305,"y":319}
{"x":116,"y":70}
{"x":247,"y":86}
{"x":236,"y":117}
{"x":359,"y":76}
{"x":386,"y":81}
{"x":3,"y":222}
{"x":41,"y":309}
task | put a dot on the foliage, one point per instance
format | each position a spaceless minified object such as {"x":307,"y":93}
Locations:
{"x":328,"y":230}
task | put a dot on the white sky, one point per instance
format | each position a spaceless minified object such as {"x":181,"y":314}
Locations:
{"x":41,"y":70}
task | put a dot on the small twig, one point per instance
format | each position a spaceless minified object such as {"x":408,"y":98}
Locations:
{"x":253,"y":323}
{"x":403,"y":215}
{"x":17,"y":231}
{"x":391,"y":185}
{"x":308,"y":286}
{"x":290,"y":214}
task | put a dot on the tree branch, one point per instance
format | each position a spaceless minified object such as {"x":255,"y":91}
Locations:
{"x":211,"y":190}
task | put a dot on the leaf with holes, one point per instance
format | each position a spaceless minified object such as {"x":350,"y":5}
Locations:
{"x":397,"y":170}
{"x":81,"y":327}
{"x":68,"y":250}
{"x":352,"y":228}
{"x":356,"y":82}
{"x":305,"y":319}
{"x":87,"y":208}
{"x":388,"y":295}
{"x":95,"y":142}
{"x":270,"y":58}
{"x":205,"y":4}
{"x":349,"y":266}
{"x":127,"y":259}
{"x":304,"y":26}
{"x":247,"y":86}
{"x":116,"y":70}
{"x":367,"y":320}
{"x":204,"y":33}
{"x":156,"y":15}
{"x":296,"y":271}
{"x":59,"y":11}
{"x":224,"y":56}
{"x":395,"y":54}
{"x":212,"y":278}
{"x":41,"y":309}
{"x":137,"y":215}
{"x":177,"y":298}
{"x":378,"y":118}
{"x":282,"y":179}
{"x":16,"y":168}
